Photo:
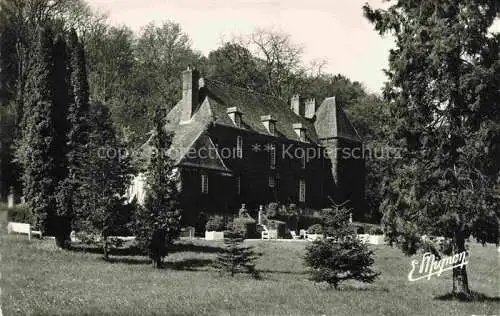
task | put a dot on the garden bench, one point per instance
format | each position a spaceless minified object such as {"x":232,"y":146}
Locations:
{"x":22,"y":228}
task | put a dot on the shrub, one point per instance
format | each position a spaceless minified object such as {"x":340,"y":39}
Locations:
{"x":315,"y":229}
{"x":215,"y":223}
{"x":200,"y":224}
{"x":20,"y":214}
{"x":366,"y":228}
{"x":235,"y":257}
{"x":305,"y":221}
{"x":359,"y":229}
{"x":343,"y":257}
{"x":279,"y":226}
{"x":124,"y":223}
{"x":375,"y":231}
{"x":272,"y":210}
{"x":246,"y":225}
{"x":333,"y":262}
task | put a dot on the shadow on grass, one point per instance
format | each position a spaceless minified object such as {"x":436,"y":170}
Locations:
{"x":131,"y":261}
{"x":281,"y":271}
{"x":183,"y":265}
{"x":353,"y":288}
{"x":188,"y":264}
{"x":189,"y":247}
{"x":135,"y":251}
{"x":129,"y":251}
{"x":475,"y":297}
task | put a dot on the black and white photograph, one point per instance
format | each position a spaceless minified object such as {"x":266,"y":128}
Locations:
{"x":249,"y":157}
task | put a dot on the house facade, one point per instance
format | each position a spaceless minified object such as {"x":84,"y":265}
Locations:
{"x":234,"y":146}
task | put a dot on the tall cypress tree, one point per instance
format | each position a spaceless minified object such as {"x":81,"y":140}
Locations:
{"x":69,"y":201}
{"x":105,"y":179}
{"x":158,"y":222}
{"x":444,"y":92}
{"x":8,"y":110}
{"x":38,"y":139}
{"x":62,"y":99}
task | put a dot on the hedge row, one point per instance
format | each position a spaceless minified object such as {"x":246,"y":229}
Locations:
{"x":18,"y":214}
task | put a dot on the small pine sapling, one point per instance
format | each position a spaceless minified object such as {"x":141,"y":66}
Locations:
{"x":340,"y":256}
{"x":235,"y":257}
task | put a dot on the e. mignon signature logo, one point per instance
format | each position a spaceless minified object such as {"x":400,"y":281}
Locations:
{"x":429,"y":266}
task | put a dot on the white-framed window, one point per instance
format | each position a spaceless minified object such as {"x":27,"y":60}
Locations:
{"x":302,"y":190}
{"x":204,"y":183}
{"x":239,"y":146}
{"x":272,"y":181}
{"x":272,"y":153}
{"x":238,"y":185}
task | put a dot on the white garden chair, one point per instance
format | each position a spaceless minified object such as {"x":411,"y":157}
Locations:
{"x":294,"y":235}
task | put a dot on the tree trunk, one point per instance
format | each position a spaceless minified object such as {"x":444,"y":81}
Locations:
{"x":460,"y":281}
{"x":105,"y":247}
{"x":61,"y":232}
{"x":60,"y":241}
{"x":157,"y":248}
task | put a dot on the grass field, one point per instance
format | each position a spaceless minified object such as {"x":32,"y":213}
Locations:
{"x":39,"y":280}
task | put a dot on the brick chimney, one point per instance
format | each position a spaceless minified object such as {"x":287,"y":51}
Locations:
{"x":190,"y":93}
{"x":310,"y":108}
{"x":296,"y":106}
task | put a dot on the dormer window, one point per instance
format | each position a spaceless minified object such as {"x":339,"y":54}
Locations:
{"x":270,"y":123}
{"x":235,"y":116}
{"x":300,"y":129}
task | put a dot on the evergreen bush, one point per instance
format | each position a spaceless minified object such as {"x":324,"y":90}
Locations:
{"x":19,"y":214}
{"x":315,"y":229}
{"x":246,"y":225}
{"x":235,"y":257}
{"x":342,"y":256}
{"x":215,"y":223}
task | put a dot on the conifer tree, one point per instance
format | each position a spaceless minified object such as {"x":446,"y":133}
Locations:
{"x":105,"y":178}
{"x":341,"y":255}
{"x":69,"y":200}
{"x":444,"y":95}
{"x":158,"y":221}
{"x":62,"y":99}
{"x":235,"y":257}
{"x":8,"y":110}
{"x":38,"y":136}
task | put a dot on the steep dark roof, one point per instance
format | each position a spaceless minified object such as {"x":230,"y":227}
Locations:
{"x":187,"y":134}
{"x":254,"y":105}
{"x":217,"y":97}
{"x":332,"y":122}
{"x":212,"y":161}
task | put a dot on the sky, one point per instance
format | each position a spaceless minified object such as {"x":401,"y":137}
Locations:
{"x":330,"y":30}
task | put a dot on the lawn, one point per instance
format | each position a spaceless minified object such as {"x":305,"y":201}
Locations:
{"x":39,"y":280}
